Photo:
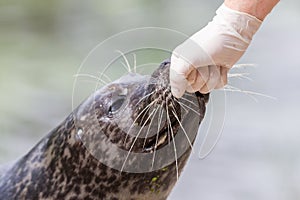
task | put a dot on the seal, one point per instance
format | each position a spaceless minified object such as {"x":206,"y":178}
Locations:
{"x":129,"y":140}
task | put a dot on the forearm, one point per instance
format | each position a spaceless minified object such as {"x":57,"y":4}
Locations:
{"x":258,"y":8}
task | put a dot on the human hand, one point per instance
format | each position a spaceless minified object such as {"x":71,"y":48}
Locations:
{"x":202,"y":62}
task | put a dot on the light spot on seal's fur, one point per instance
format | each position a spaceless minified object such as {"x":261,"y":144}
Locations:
{"x":79,"y":132}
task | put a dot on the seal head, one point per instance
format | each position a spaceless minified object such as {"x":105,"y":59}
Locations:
{"x":128,"y":140}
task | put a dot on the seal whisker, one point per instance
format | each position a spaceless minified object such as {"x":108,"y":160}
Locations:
{"x":237,"y":66}
{"x":102,"y":74}
{"x":159,"y":120}
{"x":240,"y":76}
{"x":133,"y":123}
{"x":145,"y":97}
{"x":189,"y":101}
{"x":91,"y":76}
{"x":136,"y":137}
{"x":107,"y":77}
{"x":185,"y":133}
{"x":251,"y":94}
{"x":126,"y":61}
{"x":190,"y":95}
{"x":189,"y":108}
{"x":185,"y":109}
{"x":174,"y":145}
{"x":148,"y":130}
{"x":169,"y":132}
{"x":125,"y":67}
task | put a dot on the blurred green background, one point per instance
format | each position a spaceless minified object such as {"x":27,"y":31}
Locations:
{"x":42,"y":44}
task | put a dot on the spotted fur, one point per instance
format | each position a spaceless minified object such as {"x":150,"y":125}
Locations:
{"x":61,"y":166}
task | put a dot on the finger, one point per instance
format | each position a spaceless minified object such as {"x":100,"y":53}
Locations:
{"x":223,"y":78}
{"x":214,"y":76}
{"x":178,"y":84}
{"x":192,"y":76}
{"x":180,"y":65}
{"x":202,"y":75}
{"x":204,"y":89}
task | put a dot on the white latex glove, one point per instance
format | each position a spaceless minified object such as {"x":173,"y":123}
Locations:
{"x":201,"y":63}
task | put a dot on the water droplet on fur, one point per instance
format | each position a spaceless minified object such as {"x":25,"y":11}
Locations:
{"x":79,"y":132}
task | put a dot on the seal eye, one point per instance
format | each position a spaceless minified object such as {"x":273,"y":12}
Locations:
{"x":116,"y":105}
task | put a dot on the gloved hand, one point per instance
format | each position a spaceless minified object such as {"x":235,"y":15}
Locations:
{"x":201,"y":63}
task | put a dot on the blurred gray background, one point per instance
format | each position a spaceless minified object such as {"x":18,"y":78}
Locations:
{"x":42,"y":44}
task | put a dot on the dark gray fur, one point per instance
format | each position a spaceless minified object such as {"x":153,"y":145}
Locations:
{"x":61,"y":167}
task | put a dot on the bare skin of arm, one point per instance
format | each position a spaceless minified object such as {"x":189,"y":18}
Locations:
{"x":258,"y":8}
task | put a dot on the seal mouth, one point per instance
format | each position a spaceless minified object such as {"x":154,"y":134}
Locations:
{"x":169,"y":123}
